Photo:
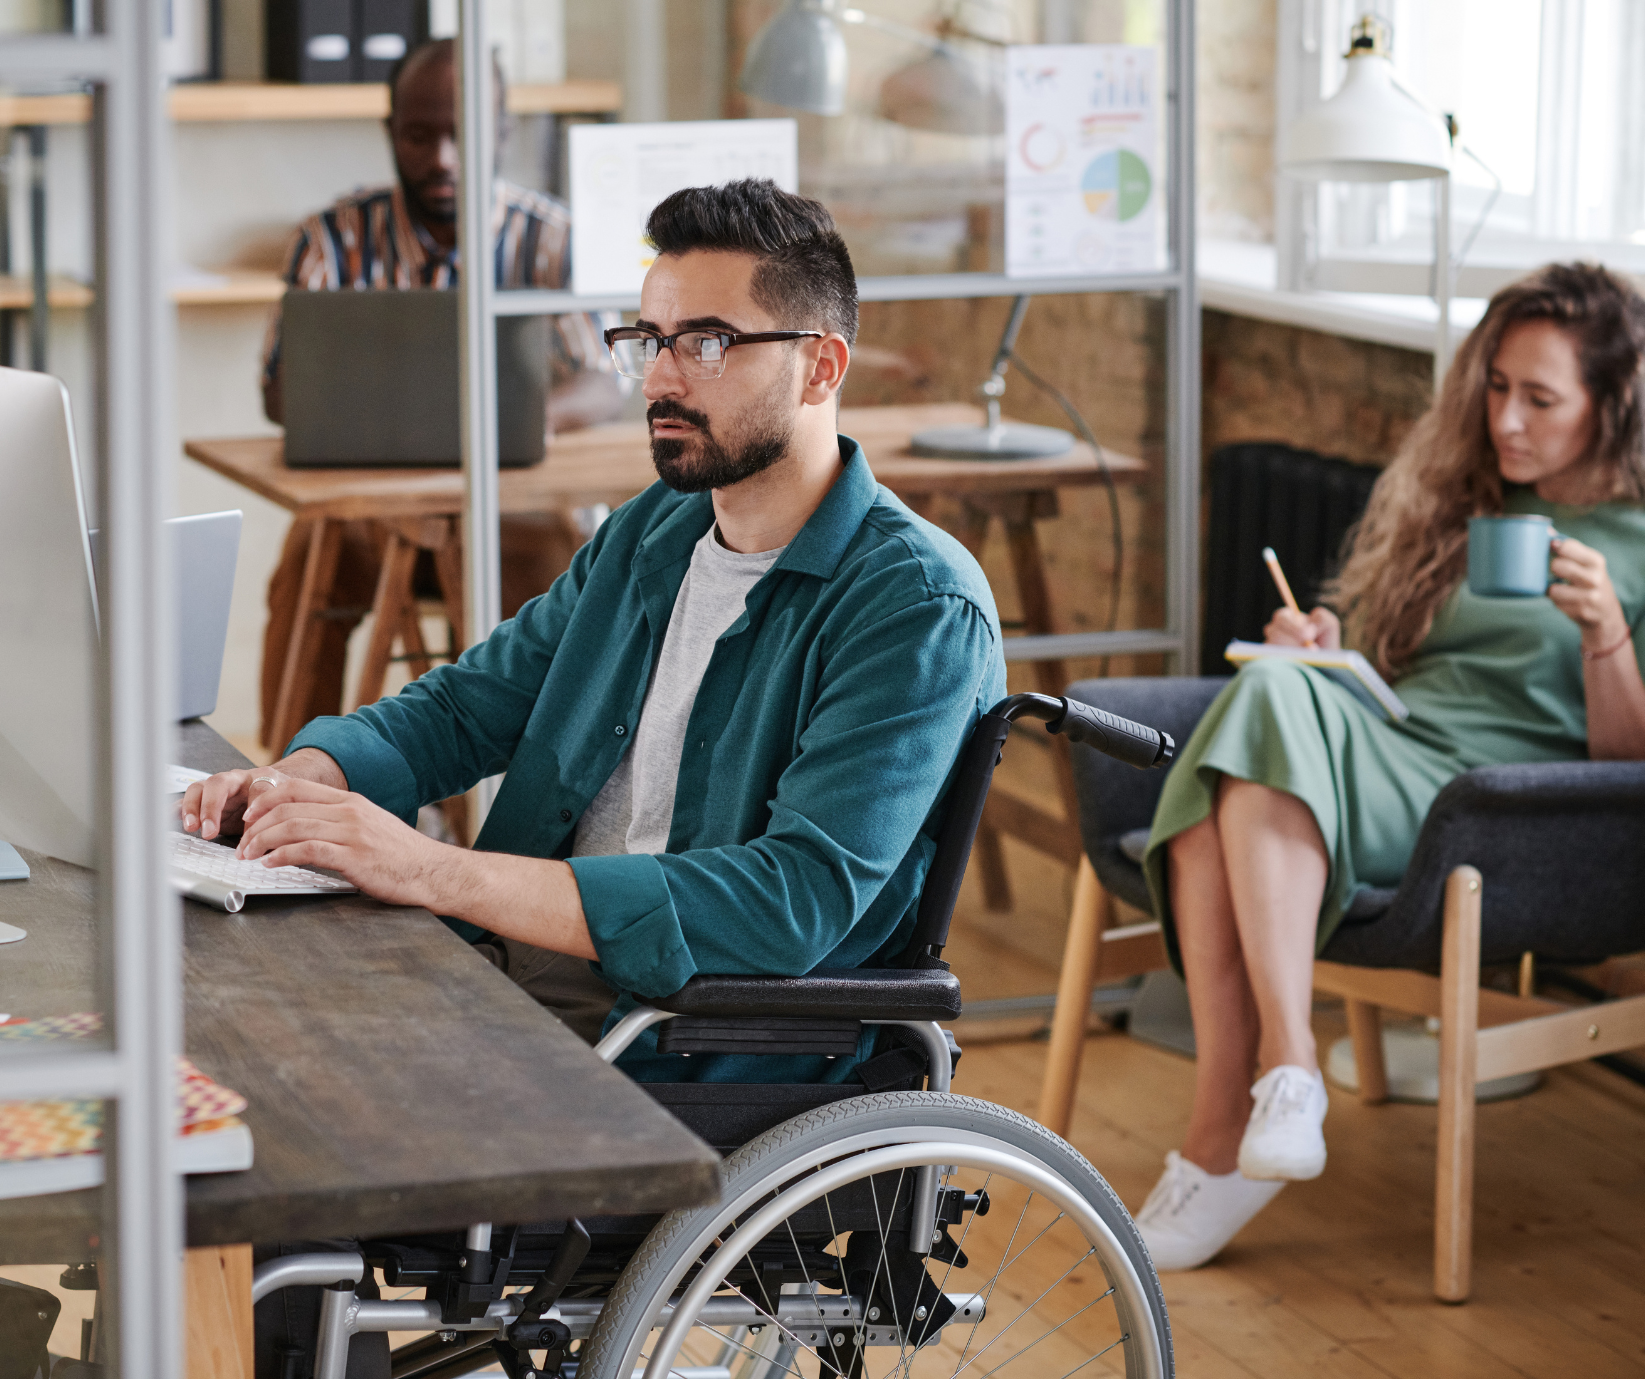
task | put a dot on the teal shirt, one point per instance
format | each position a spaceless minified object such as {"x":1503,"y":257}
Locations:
{"x":816,"y":757}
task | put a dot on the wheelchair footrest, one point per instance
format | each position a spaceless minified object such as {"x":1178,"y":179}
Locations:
{"x":758,"y":1034}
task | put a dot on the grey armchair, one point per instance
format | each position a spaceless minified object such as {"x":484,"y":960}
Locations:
{"x":1563,"y":847}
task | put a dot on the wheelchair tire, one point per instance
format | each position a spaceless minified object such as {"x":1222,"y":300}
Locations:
{"x":1015,"y":1163}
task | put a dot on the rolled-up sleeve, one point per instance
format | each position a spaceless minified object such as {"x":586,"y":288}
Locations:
{"x":898,"y":698}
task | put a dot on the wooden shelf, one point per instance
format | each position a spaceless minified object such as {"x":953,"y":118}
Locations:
{"x":240,"y":101}
{"x":232,"y":287}
{"x":18,"y":294}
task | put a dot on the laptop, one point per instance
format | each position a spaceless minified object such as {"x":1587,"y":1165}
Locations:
{"x":371,"y":379}
{"x":204,"y":553}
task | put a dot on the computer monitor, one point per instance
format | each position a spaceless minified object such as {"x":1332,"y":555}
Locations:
{"x":204,"y":552}
{"x":48,"y":627}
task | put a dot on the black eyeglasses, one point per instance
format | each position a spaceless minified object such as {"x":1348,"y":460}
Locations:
{"x":698,"y":353}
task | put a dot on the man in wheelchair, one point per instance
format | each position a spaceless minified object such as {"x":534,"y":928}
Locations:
{"x":727,"y":733}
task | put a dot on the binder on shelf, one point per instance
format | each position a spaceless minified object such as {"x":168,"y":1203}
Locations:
{"x":340,"y":40}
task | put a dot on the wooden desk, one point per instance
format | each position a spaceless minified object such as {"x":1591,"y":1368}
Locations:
{"x":397,"y":1081}
{"x":420,"y":510}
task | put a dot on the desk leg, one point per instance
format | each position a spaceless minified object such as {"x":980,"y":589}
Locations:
{"x":1028,"y":565}
{"x":1005,"y":815}
{"x":448,"y":565}
{"x":319,"y":573}
{"x":388,"y":610}
{"x":217,"y":1285}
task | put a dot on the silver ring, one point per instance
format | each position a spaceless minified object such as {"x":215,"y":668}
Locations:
{"x":264,"y":780}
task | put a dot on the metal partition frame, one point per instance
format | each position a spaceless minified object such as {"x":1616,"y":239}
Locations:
{"x":1179,"y":638}
{"x":140,"y":973}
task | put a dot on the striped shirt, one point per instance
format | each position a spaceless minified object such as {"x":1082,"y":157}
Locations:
{"x":369,"y":240}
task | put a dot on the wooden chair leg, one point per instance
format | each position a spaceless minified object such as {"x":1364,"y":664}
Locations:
{"x":1365,"y":1030}
{"x":1092,"y":912}
{"x":1458,"y":1058}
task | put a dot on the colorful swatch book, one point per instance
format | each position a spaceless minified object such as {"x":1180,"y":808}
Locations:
{"x":52,"y":1146}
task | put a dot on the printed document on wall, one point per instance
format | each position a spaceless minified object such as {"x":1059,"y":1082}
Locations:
{"x":1082,"y":185}
{"x":620,"y":171}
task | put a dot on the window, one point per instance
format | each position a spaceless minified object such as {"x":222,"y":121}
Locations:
{"x":1546,"y":97}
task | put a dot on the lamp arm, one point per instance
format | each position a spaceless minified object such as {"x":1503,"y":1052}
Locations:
{"x":1485,"y":211}
{"x":1496,"y":182}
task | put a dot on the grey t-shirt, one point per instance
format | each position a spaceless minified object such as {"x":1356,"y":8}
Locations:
{"x":634,"y":809}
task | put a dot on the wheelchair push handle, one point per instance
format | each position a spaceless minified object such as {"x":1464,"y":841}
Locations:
{"x":1120,"y":738}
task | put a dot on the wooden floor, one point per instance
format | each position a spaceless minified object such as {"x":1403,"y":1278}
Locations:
{"x":1333,"y":1278}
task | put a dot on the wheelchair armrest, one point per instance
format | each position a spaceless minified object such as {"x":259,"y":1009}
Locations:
{"x":846,"y":993}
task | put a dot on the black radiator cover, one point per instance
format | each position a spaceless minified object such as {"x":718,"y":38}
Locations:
{"x":1264,"y":493}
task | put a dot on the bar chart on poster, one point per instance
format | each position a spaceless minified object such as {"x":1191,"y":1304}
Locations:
{"x":620,"y":171}
{"x":1081,"y":182}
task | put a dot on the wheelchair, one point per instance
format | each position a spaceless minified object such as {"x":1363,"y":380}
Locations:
{"x":885,"y":1228}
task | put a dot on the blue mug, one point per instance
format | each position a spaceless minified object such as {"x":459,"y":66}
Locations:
{"x":1508,"y":556}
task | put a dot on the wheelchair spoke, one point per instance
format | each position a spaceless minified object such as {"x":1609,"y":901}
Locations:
{"x":1094,"y":1358}
{"x":828,"y":1287}
{"x":1025,"y":1312}
{"x":1045,"y":1336}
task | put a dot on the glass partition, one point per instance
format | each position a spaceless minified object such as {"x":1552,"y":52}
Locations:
{"x":90,"y":971}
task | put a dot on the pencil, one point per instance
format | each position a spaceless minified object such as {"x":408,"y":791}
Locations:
{"x":1272,"y":561}
{"x":1285,"y":593}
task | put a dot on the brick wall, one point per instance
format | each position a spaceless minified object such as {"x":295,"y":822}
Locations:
{"x":1266,"y":381}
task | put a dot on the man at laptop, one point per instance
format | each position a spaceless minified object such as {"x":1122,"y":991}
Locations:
{"x":728,"y":728}
{"x":405,"y":236}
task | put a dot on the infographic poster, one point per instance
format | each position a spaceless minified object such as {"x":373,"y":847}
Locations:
{"x":1081,"y":187}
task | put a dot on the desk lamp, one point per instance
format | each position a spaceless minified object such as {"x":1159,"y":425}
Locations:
{"x":1373,"y":130}
{"x":994,"y":439}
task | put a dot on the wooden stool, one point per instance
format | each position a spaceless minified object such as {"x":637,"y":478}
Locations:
{"x":1006,"y":815}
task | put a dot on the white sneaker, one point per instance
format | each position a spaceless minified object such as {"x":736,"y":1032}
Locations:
{"x":1283,"y":1138}
{"x":1191,"y":1214}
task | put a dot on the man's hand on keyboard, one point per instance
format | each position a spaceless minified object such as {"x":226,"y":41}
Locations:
{"x":303,"y":823}
{"x":217,"y":804}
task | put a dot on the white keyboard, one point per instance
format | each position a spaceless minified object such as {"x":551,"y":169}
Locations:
{"x":211,"y":873}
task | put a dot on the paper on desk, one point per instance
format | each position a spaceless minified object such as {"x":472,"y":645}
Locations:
{"x":179,"y":778}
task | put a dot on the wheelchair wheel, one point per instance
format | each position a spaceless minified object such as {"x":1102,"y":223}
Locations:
{"x":803,"y":1268}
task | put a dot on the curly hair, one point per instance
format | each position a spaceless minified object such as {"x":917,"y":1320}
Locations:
{"x":1416,"y":522}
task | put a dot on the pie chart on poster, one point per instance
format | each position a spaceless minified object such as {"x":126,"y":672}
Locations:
{"x":1116,"y":185}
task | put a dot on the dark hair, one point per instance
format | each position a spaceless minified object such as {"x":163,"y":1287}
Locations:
{"x":804,"y":277}
{"x":447,"y":50}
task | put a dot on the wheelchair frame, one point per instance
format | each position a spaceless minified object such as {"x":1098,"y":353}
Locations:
{"x":822,"y":1012}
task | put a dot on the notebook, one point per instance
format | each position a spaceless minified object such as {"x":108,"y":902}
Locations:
{"x":56,"y":1146}
{"x":1348,"y":668}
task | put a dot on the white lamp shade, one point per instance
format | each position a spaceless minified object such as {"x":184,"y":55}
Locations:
{"x":798,"y":60}
{"x":1370,"y":131}
{"x":946,"y":91}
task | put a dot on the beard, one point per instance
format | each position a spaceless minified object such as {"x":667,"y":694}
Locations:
{"x":705,"y":461}
{"x":430,"y":213}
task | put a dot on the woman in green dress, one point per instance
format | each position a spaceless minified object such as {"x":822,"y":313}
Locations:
{"x":1291,"y":794}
